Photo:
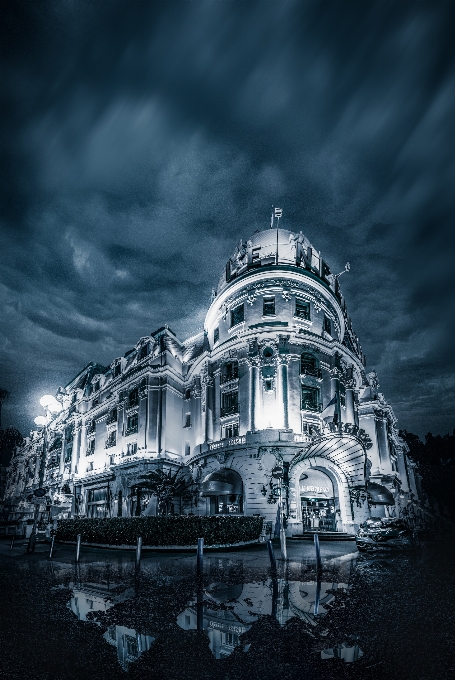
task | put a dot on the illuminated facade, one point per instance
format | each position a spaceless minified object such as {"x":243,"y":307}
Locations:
{"x":276,"y":379}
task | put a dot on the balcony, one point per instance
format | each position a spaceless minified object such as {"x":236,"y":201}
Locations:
{"x":312,"y":371}
{"x":229,"y":410}
{"x":110,"y":443}
{"x":131,"y":430}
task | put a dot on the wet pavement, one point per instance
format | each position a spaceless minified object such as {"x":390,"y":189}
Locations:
{"x":382,"y":616}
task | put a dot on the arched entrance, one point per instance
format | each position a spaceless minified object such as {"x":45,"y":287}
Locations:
{"x":318,"y":501}
{"x":224,"y":489}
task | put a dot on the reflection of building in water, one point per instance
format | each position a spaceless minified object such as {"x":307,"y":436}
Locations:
{"x":229,"y":611}
{"x":99,"y":597}
{"x":347,"y":652}
{"x":129,"y":643}
{"x":277,"y":375}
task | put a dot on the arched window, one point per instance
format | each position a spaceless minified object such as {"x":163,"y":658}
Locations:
{"x":224,"y":488}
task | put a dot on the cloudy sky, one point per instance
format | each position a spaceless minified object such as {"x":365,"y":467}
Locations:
{"x":141,"y":140}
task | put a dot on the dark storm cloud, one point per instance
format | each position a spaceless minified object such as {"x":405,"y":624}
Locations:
{"x":142,"y":140}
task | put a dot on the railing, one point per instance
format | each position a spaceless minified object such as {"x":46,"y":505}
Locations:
{"x":229,"y":410}
{"x":311,"y":407}
{"x":307,"y":370}
{"x":130,"y":430}
{"x":227,"y":377}
{"x":112,"y":418}
{"x":110,"y":443}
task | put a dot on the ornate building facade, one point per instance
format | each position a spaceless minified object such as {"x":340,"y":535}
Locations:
{"x":275,"y":381}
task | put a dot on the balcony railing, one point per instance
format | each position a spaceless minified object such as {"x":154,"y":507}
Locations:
{"x":229,"y":410}
{"x":110,"y":443}
{"x":112,"y":418}
{"x":227,"y":377}
{"x":308,"y":370}
{"x":130,"y":430}
{"x":315,"y":408}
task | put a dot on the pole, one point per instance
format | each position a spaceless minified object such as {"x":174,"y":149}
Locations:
{"x":78,"y":547}
{"x":200,"y":557}
{"x":138,"y":552}
{"x":272,"y":558}
{"x":12,"y":542}
{"x":318,"y":553}
{"x":284,"y":552}
{"x":52,"y":547}
{"x":318,"y":594}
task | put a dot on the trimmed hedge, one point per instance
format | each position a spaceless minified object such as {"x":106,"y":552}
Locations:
{"x":174,"y":530}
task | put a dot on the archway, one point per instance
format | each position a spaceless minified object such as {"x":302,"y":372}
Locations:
{"x":319,"y":503}
{"x":224,"y":490}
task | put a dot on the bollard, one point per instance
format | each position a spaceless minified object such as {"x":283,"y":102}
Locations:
{"x":31,"y":542}
{"x":200,"y":608}
{"x":52,"y":547}
{"x":12,"y":542}
{"x":318,"y":552}
{"x":138,"y":552}
{"x":272,"y":558}
{"x":318,"y":595}
{"x":78,"y":547}
{"x":274,"y":597}
{"x":200,"y":556}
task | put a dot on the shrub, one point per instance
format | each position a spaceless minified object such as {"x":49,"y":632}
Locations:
{"x":178,"y":530}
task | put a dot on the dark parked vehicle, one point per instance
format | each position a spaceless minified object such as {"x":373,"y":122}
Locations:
{"x":384,"y":534}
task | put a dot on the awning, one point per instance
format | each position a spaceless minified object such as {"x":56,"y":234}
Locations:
{"x":343,"y":450}
{"x":380,"y":495}
{"x":223,"y":482}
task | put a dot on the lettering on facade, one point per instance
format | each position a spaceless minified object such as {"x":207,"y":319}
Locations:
{"x":232,"y":628}
{"x":315,"y":489}
{"x":226,"y":442}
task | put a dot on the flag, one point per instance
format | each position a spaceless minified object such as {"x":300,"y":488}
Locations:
{"x":278,"y":212}
{"x":277,"y":522}
{"x":332,"y":403}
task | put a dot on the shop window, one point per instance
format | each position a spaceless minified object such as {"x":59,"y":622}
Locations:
{"x":310,"y":398}
{"x":327,"y":325}
{"x":229,"y":403}
{"x":187,"y":420}
{"x":231,"y":430}
{"x":268,"y":306}
{"x":237,"y":315}
{"x":216,"y":335}
{"x":302,"y":309}
{"x":131,"y":424}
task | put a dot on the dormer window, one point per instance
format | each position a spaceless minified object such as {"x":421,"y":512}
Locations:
{"x":117,"y":369}
{"x":96,"y":386}
{"x":143,"y":352}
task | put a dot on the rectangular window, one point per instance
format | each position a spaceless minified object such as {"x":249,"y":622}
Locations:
{"x":229,"y":403}
{"x":230,"y":371}
{"x":131,"y":424}
{"x":187,"y":449}
{"x":133,"y":399}
{"x":268,"y":306}
{"x":231,"y":430}
{"x":310,"y":398}
{"x":308,"y":365}
{"x":187,"y":420}
{"x":90,"y":466}
{"x":68,"y":454}
{"x":131,"y":449}
{"x":216,"y":335}
{"x":96,"y":386}
{"x":90,"y":448}
{"x":327,"y":325}
{"x":302,"y":309}
{"x":237,"y":315}
{"x":111,"y":440}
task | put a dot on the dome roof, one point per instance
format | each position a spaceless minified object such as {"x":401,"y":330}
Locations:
{"x":261,"y":249}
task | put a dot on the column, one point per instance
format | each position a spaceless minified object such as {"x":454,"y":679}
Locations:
{"x":217,"y":409}
{"x":254,"y":397}
{"x":335,"y":390}
{"x":350,"y":410}
{"x":383,"y":443}
{"x":159,"y":417}
{"x":142,"y":418}
{"x":76,"y":447}
{"x":209,"y":409}
{"x":283,"y":393}
{"x":62,"y":454}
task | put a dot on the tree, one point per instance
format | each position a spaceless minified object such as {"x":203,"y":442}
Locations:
{"x":9,"y":439}
{"x":165,"y":486}
{"x":4,"y":394}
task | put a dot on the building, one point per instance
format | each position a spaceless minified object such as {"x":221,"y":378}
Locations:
{"x":276,"y":379}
